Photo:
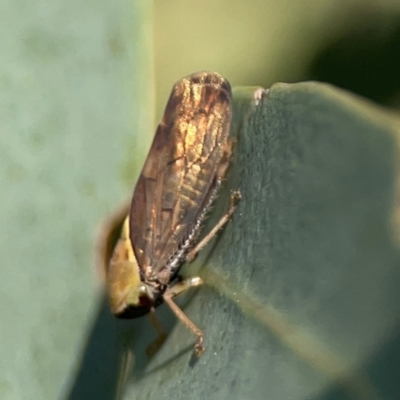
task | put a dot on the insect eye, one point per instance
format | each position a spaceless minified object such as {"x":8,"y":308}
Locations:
{"x":143,"y":290}
{"x":140,"y":296}
{"x":145,"y":299}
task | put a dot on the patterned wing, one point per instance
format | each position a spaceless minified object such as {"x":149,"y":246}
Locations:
{"x":179,"y":171}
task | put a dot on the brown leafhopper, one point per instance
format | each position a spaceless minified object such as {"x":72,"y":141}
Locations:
{"x":180,"y":179}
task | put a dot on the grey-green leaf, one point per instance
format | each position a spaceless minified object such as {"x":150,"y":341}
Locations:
{"x":302,"y":293}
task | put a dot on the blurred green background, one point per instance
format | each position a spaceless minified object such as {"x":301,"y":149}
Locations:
{"x":82,"y":84}
{"x":352,"y":44}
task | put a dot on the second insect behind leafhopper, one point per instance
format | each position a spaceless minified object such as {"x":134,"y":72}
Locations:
{"x":180,"y":179}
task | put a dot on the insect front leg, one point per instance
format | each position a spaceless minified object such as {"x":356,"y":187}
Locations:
{"x":176,"y":290}
{"x":235,"y":197}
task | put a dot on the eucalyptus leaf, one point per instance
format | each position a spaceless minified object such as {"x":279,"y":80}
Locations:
{"x":302,"y":291}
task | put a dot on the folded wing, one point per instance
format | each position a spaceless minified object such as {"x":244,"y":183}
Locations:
{"x":179,"y":171}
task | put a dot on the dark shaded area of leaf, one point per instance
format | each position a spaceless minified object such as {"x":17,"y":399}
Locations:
{"x":382,"y":371}
{"x":98,"y":373}
{"x":364,"y":60}
{"x":383,"y":367}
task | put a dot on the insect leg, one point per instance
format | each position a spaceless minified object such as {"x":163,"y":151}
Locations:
{"x":161,"y":335}
{"x":176,"y":290}
{"x":235,"y":197}
{"x":181,"y":286}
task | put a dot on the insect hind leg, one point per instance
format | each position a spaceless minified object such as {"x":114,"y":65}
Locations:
{"x":153,"y":347}
{"x":176,"y":290}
